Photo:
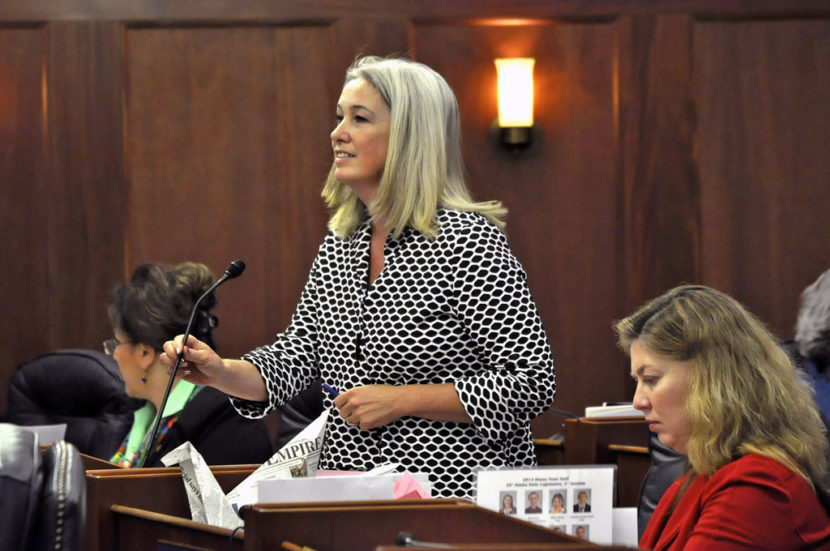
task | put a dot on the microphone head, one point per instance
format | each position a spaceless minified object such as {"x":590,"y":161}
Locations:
{"x":235,"y":269}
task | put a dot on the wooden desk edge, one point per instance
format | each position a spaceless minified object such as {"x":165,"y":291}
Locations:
{"x":176,"y":521}
{"x":359,"y":504}
{"x":639,"y":450}
{"x":547,"y":442}
{"x":165,"y":471}
{"x":601,"y":420}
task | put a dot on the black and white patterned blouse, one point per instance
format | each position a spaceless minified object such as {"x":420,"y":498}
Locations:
{"x":453,"y":309}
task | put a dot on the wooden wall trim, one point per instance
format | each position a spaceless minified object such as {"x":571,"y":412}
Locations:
{"x":274,"y":11}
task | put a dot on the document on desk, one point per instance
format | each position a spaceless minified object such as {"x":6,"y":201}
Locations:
{"x":210,"y":505}
{"x":613,"y":411}
{"x":47,"y":434}
{"x":574,"y":499}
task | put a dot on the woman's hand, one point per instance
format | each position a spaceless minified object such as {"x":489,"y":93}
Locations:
{"x":371,"y":406}
{"x":200,"y":365}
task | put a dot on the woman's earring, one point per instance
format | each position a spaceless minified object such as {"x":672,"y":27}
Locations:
{"x":143,"y":380}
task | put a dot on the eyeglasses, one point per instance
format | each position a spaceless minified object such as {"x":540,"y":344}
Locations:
{"x":111,"y":345}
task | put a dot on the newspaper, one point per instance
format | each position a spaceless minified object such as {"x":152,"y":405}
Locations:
{"x":209,"y":504}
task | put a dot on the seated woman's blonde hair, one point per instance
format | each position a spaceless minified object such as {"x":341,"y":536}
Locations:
{"x":746,"y":396}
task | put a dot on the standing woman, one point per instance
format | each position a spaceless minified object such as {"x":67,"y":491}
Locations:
{"x":714,"y":385}
{"x":153,"y":307}
{"x":415,"y":309}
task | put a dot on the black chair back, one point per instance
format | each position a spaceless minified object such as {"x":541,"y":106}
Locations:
{"x":42,"y":494}
{"x":666,"y":466}
{"x":20,"y":481}
{"x":82,"y":388}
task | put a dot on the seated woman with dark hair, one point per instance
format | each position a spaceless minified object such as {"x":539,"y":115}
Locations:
{"x":714,"y":384}
{"x":153,"y":307}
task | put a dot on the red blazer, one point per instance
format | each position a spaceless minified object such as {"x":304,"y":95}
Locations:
{"x":752,"y":503}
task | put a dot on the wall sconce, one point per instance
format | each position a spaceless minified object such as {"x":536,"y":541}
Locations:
{"x":515,"y":92}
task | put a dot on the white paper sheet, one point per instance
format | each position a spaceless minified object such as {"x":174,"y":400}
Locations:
{"x":360,"y":486}
{"x":47,"y":434}
{"x":625,"y":526}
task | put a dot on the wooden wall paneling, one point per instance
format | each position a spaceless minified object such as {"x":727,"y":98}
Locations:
{"x":24,"y":224}
{"x":659,"y":174}
{"x":86,"y":198}
{"x":353,"y":36}
{"x":562,"y":192}
{"x":762,"y":87}
{"x":678,"y":141}
{"x":228,"y":140}
{"x":303,"y":138}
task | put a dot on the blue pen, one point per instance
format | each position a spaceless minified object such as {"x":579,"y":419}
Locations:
{"x":330,"y":390}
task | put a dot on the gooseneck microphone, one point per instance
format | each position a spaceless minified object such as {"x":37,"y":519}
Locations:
{"x":405,"y":539}
{"x":234,"y":269}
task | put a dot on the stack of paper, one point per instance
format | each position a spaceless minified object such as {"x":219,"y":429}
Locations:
{"x":620,"y":410}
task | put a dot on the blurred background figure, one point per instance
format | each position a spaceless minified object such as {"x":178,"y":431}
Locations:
{"x":811,"y":346}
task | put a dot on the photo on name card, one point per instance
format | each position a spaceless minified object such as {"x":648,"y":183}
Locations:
{"x":582,"y":500}
{"x":558,"y":501}
{"x":533,"y":502}
{"x":581,"y":531}
{"x":508,"y":503}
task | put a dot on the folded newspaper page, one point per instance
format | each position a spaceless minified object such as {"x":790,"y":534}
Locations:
{"x":209,"y":504}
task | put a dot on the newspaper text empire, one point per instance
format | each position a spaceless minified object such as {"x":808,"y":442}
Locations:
{"x":289,"y":452}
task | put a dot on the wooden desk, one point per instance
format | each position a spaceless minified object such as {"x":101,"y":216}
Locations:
{"x":549,"y":452}
{"x":131,"y":509}
{"x":367,"y":524}
{"x":587,"y":440}
{"x":157,"y":489}
{"x":163,"y":514}
{"x":610,"y":441}
{"x":632,"y":464}
{"x":348,"y":525}
{"x":141,"y":530}
{"x":91,"y":463}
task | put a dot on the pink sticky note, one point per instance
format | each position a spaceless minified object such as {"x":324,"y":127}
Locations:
{"x":406,"y":487}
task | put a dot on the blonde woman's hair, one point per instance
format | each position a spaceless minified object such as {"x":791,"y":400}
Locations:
{"x":746,"y":396}
{"x":424,"y":168}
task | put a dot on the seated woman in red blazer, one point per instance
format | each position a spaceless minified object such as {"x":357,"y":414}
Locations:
{"x":714,"y":385}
